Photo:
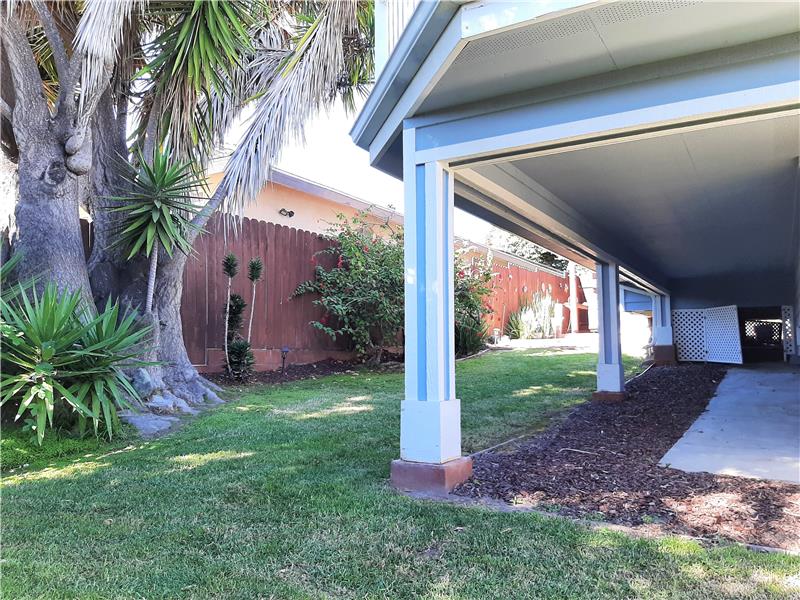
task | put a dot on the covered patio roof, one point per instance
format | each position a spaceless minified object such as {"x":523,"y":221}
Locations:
{"x":656,"y":142}
{"x":628,"y":117}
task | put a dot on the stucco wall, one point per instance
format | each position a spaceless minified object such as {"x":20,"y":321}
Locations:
{"x":757,"y":288}
{"x":311,"y":213}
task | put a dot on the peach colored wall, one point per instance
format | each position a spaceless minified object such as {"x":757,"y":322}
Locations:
{"x":311,"y":213}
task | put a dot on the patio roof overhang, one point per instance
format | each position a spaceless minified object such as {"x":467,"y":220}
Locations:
{"x":608,"y":131}
{"x":656,"y":142}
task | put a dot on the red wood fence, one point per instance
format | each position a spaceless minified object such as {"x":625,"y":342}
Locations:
{"x":513,"y":283}
{"x":278,"y":321}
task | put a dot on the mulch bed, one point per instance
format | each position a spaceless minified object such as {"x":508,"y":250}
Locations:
{"x":293,"y":373}
{"x":309,"y":371}
{"x":601,"y":463}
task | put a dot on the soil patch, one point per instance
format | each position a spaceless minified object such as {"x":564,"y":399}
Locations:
{"x":601,"y":463}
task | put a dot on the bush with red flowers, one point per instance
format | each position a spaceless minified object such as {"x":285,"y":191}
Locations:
{"x":362,"y":295}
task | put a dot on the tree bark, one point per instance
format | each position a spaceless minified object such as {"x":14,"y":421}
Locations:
{"x":151,"y":277}
{"x":48,"y":229}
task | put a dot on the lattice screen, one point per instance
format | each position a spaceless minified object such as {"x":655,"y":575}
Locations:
{"x":707,"y":335}
{"x":787,"y":318}
{"x":723,"y":343}
{"x":688,"y":330}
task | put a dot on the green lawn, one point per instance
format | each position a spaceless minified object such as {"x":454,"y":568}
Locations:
{"x":282,"y":493}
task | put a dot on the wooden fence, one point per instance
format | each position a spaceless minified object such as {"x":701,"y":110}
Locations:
{"x":278,"y":321}
{"x":512,"y":284}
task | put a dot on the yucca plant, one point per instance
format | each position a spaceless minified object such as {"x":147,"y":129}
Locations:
{"x":158,"y":210}
{"x":255,"y":268}
{"x":230,"y":267}
{"x":54,"y":354}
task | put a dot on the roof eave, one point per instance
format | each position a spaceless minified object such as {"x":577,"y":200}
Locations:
{"x":420,"y":35}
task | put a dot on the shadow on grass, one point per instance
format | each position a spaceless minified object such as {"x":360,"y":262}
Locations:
{"x":289,"y":498}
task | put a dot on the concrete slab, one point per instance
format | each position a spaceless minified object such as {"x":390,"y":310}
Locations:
{"x":751,"y":427}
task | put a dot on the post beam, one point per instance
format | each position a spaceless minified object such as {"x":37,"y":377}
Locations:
{"x":610,"y":372}
{"x":663,"y":343}
{"x":430,"y":414}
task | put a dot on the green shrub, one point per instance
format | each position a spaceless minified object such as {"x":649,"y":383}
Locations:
{"x":363,"y":294}
{"x":534,"y":319}
{"x":58,"y":361}
{"x":235,"y":316}
{"x":241,"y":359}
{"x":471,"y":290}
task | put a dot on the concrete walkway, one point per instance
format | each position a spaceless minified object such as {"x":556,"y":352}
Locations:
{"x":750,"y":428}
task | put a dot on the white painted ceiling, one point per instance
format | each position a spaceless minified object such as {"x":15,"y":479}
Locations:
{"x":601,"y":39}
{"x":695,"y":203}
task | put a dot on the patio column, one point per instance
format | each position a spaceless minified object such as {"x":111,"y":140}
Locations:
{"x":610,"y":373}
{"x":663,"y":344}
{"x":573,"y":298}
{"x":430,"y":415}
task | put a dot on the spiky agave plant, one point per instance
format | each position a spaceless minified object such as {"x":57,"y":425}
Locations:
{"x":158,"y":209}
{"x":255,"y":268}
{"x":230,"y":267}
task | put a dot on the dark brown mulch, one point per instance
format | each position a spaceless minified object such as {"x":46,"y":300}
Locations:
{"x":601,"y":463}
{"x":293,"y":373}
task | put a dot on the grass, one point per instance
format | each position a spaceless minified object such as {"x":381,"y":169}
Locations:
{"x":282,"y":494}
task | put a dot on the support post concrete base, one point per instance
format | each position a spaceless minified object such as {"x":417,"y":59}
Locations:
{"x":664,"y":355}
{"x":432,"y":478}
{"x":608,"y":397}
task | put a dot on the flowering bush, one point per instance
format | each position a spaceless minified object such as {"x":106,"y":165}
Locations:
{"x":359,"y":281}
{"x":471,"y":291}
{"x":362,"y":293}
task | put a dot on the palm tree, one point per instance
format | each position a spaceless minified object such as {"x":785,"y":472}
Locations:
{"x":230,"y":266}
{"x":81,"y":78}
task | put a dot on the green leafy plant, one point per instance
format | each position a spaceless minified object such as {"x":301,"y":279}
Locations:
{"x":362,"y":294}
{"x":235,"y":310}
{"x":241,"y":359}
{"x":360,"y":285}
{"x":158,"y":211}
{"x":471,"y":290}
{"x":58,"y":357}
{"x":255,"y":269}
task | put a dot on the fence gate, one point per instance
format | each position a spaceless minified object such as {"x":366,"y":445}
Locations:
{"x":708,"y":335}
{"x":787,"y":321}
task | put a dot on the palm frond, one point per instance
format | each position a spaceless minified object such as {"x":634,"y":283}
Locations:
{"x":308,"y":78}
{"x":99,"y":36}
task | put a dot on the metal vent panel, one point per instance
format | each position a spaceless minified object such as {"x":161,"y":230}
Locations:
{"x":492,"y":46}
{"x":627,"y":11}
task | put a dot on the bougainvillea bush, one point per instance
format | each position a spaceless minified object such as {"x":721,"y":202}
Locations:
{"x":360,"y":286}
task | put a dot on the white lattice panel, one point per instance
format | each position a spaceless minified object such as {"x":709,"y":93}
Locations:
{"x":688,"y":330}
{"x":787,"y":320}
{"x":722,"y":339}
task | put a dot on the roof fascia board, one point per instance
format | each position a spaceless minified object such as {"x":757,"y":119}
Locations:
{"x":766,"y":84}
{"x":430,"y":72}
{"x":301,"y":184}
{"x":420,"y":35}
{"x":673,"y":67}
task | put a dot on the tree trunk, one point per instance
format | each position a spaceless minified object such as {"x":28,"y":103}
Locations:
{"x":173,"y":385}
{"x":48,"y":230}
{"x":252,"y":308}
{"x":151,"y":278}
{"x":227,"y":317}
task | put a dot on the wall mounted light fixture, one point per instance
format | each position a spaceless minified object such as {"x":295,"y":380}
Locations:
{"x":286,"y":213}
